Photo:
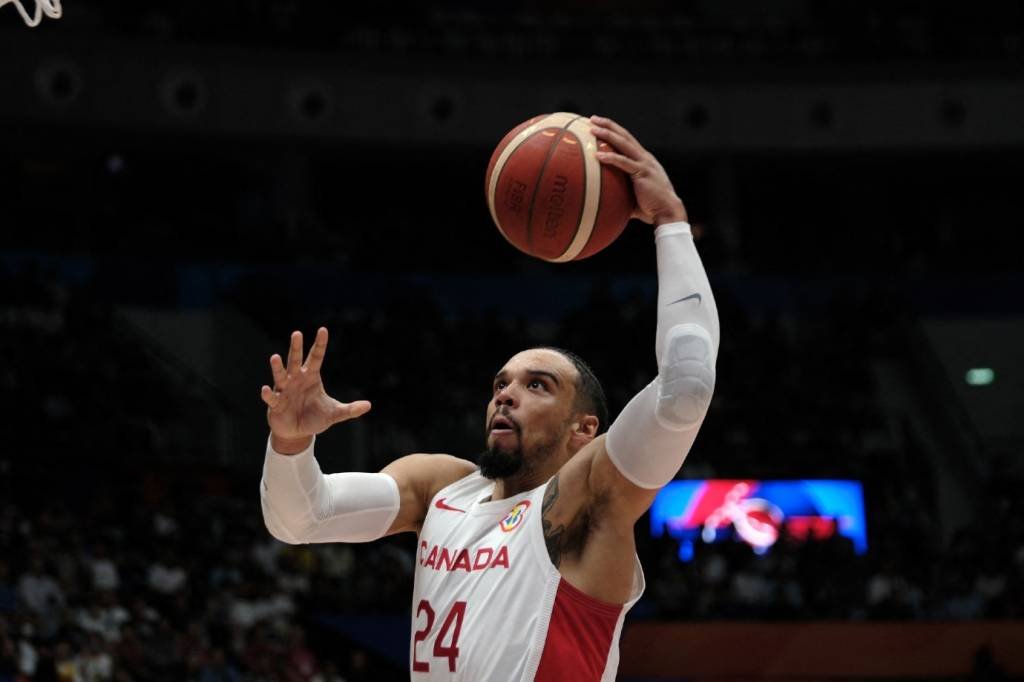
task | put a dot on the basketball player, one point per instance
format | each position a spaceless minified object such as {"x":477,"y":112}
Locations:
{"x":526,"y":564}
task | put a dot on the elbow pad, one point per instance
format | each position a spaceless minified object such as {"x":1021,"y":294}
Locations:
{"x":301,"y":505}
{"x":651,"y":437}
{"x":686,"y":377}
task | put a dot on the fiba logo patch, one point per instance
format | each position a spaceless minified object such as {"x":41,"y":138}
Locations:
{"x":515,"y":517}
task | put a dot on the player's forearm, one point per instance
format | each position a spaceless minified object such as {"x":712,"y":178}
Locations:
{"x":652,"y":435}
{"x":684,"y":292}
{"x":300,"y":504}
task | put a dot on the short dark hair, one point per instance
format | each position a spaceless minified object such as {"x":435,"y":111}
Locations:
{"x":590,"y":396}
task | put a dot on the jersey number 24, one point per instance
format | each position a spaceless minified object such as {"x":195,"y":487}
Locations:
{"x":452,"y":620}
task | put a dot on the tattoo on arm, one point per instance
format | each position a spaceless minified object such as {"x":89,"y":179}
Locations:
{"x":550,"y":495}
{"x":553,"y":536}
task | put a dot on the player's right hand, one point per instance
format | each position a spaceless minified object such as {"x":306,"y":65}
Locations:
{"x":656,"y":200}
{"x":298,"y":407}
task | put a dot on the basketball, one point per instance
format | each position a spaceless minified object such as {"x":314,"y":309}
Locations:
{"x":549,"y":195}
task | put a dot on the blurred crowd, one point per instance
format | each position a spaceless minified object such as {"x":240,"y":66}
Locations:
{"x":699,"y":31}
{"x":132,"y":549}
{"x":184,"y":588}
{"x":119,"y":562}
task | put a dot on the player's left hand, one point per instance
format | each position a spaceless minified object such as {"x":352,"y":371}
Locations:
{"x":656,"y":200}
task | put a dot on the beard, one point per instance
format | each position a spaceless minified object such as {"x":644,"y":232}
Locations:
{"x":498,"y":463}
{"x":495,"y":463}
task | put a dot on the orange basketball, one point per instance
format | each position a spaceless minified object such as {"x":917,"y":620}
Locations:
{"x":549,"y":195}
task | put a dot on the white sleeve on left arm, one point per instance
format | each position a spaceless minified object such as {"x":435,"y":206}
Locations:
{"x":301,"y":504}
{"x":652,"y":435}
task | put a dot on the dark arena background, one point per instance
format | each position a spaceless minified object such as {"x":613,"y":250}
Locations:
{"x":184,"y":183}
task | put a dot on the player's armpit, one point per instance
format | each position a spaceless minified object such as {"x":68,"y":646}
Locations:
{"x":419,"y":477}
{"x":591,"y":484}
{"x":626,"y":501}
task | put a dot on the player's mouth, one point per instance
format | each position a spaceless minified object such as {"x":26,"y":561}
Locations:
{"x":501,"y":424}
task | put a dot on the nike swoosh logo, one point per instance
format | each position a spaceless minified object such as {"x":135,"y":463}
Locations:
{"x":686,"y":298}
{"x":441,"y":505}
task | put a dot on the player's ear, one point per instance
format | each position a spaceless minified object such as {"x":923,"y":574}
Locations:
{"x":584,"y":428}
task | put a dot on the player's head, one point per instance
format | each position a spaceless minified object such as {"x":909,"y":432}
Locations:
{"x":546,"y":403}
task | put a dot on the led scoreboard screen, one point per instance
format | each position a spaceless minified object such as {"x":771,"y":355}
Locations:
{"x":758,"y":512}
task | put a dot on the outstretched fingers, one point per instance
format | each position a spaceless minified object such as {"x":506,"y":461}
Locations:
{"x":277,"y":371}
{"x":295,"y":353}
{"x":346,"y":411}
{"x":271,"y":397}
{"x":317,"y":352}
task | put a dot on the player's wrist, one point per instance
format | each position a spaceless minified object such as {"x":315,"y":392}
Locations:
{"x":290,"y":446}
{"x":674,"y":212}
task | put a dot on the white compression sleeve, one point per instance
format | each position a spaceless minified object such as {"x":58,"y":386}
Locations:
{"x":684,"y":293}
{"x":301,"y":504}
{"x":650,"y":439}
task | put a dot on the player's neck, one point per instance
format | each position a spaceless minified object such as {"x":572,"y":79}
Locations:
{"x":513,"y":485}
{"x":509,"y":487}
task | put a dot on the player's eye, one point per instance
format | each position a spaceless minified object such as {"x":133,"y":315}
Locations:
{"x":500,"y":384}
{"x":536,"y":383}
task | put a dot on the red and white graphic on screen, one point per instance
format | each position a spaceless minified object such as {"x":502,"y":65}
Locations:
{"x":756,"y":521}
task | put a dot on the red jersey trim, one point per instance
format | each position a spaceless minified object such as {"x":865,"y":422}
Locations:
{"x":579,"y":636}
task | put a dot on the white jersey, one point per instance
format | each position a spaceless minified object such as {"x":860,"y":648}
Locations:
{"x":488,"y":604}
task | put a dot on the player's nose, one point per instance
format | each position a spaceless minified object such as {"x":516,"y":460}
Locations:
{"x":506,"y":396}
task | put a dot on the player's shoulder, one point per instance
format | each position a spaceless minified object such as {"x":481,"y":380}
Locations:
{"x":443,"y":463}
{"x":431,"y":471}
